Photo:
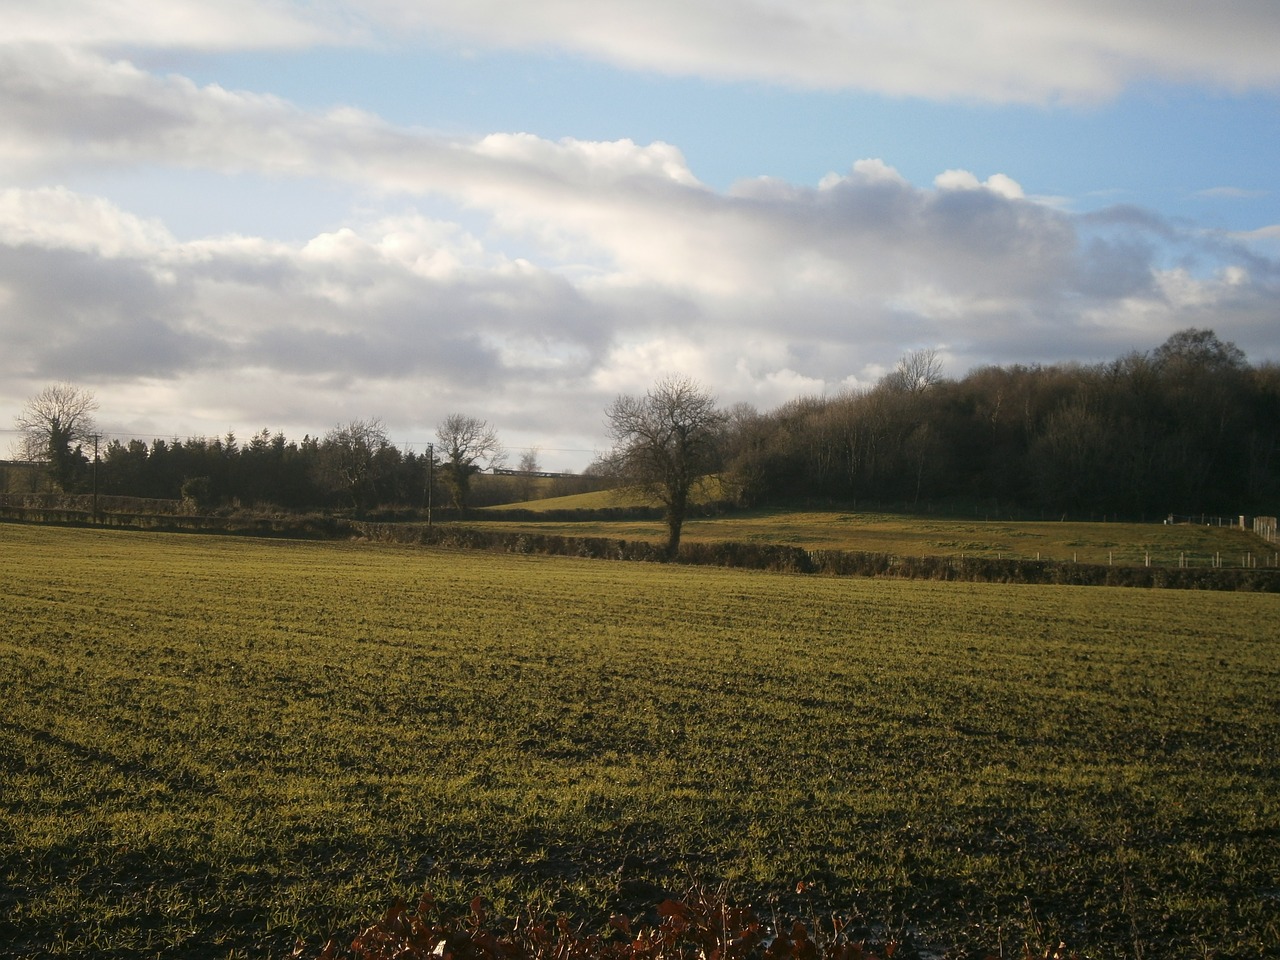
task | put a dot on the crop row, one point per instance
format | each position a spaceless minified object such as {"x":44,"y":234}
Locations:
{"x":212,"y":746}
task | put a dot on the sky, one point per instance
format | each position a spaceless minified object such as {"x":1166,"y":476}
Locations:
{"x":292,"y":214}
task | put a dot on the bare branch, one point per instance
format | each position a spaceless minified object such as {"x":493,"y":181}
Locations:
{"x":52,"y":423}
{"x":664,"y":444}
{"x":467,"y":444}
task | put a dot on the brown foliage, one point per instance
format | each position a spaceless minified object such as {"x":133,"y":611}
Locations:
{"x":700,"y":927}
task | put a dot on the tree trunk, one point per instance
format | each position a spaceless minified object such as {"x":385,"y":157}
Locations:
{"x":674,"y":524}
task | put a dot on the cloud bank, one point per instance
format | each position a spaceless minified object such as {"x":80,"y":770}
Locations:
{"x":1030,"y":51}
{"x":530,"y":280}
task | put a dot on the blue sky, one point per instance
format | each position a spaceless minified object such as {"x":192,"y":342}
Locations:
{"x":289,"y":215}
{"x":1155,"y":145}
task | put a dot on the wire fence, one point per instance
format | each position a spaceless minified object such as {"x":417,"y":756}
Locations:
{"x":1265,"y":527}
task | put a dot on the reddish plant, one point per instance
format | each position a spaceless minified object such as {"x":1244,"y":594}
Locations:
{"x":702,"y":927}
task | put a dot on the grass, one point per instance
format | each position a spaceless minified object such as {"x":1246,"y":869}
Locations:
{"x":211,"y":746}
{"x":1120,"y":543}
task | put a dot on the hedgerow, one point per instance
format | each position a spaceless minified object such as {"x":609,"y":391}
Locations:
{"x":750,"y":556}
{"x":844,"y":563}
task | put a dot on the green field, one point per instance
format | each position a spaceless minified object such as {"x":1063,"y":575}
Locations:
{"x":211,"y":746}
{"x":1120,"y":543}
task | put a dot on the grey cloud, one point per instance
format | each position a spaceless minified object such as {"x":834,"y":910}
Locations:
{"x":440,"y":331}
{"x":371,"y":353}
{"x":82,"y":314}
{"x":1034,"y":51}
{"x":1132,"y":234}
{"x":183,"y":24}
{"x":771,"y":280}
{"x":888,"y":234}
{"x":1127,"y":215}
{"x":129,"y":348}
{"x":43,"y":93}
{"x":1111,"y":270}
{"x":73,"y":314}
{"x":636,"y":204}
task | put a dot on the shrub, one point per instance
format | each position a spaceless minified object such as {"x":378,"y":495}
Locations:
{"x":701,"y":927}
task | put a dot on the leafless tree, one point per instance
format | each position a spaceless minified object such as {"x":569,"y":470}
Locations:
{"x":529,"y":461}
{"x":664,"y":444}
{"x":916,"y":372}
{"x":53,"y":426}
{"x":351,"y":457}
{"x":467,"y":445}
{"x":529,"y":466}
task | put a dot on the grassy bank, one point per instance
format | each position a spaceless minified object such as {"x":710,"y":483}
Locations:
{"x":211,"y":746}
{"x":914,"y":536}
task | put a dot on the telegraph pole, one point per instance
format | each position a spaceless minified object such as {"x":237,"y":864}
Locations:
{"x":95,"y":478}
{"x":431,"y":466}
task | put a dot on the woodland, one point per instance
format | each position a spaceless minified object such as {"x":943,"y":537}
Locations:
{"x":1191,"y":427}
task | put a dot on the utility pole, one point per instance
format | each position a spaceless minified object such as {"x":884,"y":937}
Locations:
{"x":95,"y":478}
{"x":431,"y":466}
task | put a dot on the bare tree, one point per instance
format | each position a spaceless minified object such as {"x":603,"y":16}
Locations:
{"x":916,"y":372}
{"x":664,"y":444}
{"x":51,"y":422}
{"x":351,"y":458}
{"x":529,"y":461}
{"x":467,"y":445}
{"x":529,"y":466}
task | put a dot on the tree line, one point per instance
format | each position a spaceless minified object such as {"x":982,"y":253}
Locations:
{"x":354,"y":466}
{"x":1188,"y":428}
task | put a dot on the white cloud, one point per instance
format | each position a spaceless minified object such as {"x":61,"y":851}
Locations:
{"x":872,"y":170}
{"x":1270,"y":232}
{"x":586,"y":163}
{"x":1007,"y":187}
{"x":956,"y":180}
{"x":999,"y":50}
{"x":997,"y":183}
{"x":584,"y":269}
{"x":56,"y":218}
{"x":1031,"y":51}
{"x":190,"y":24}
{"x":405,"y":317}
